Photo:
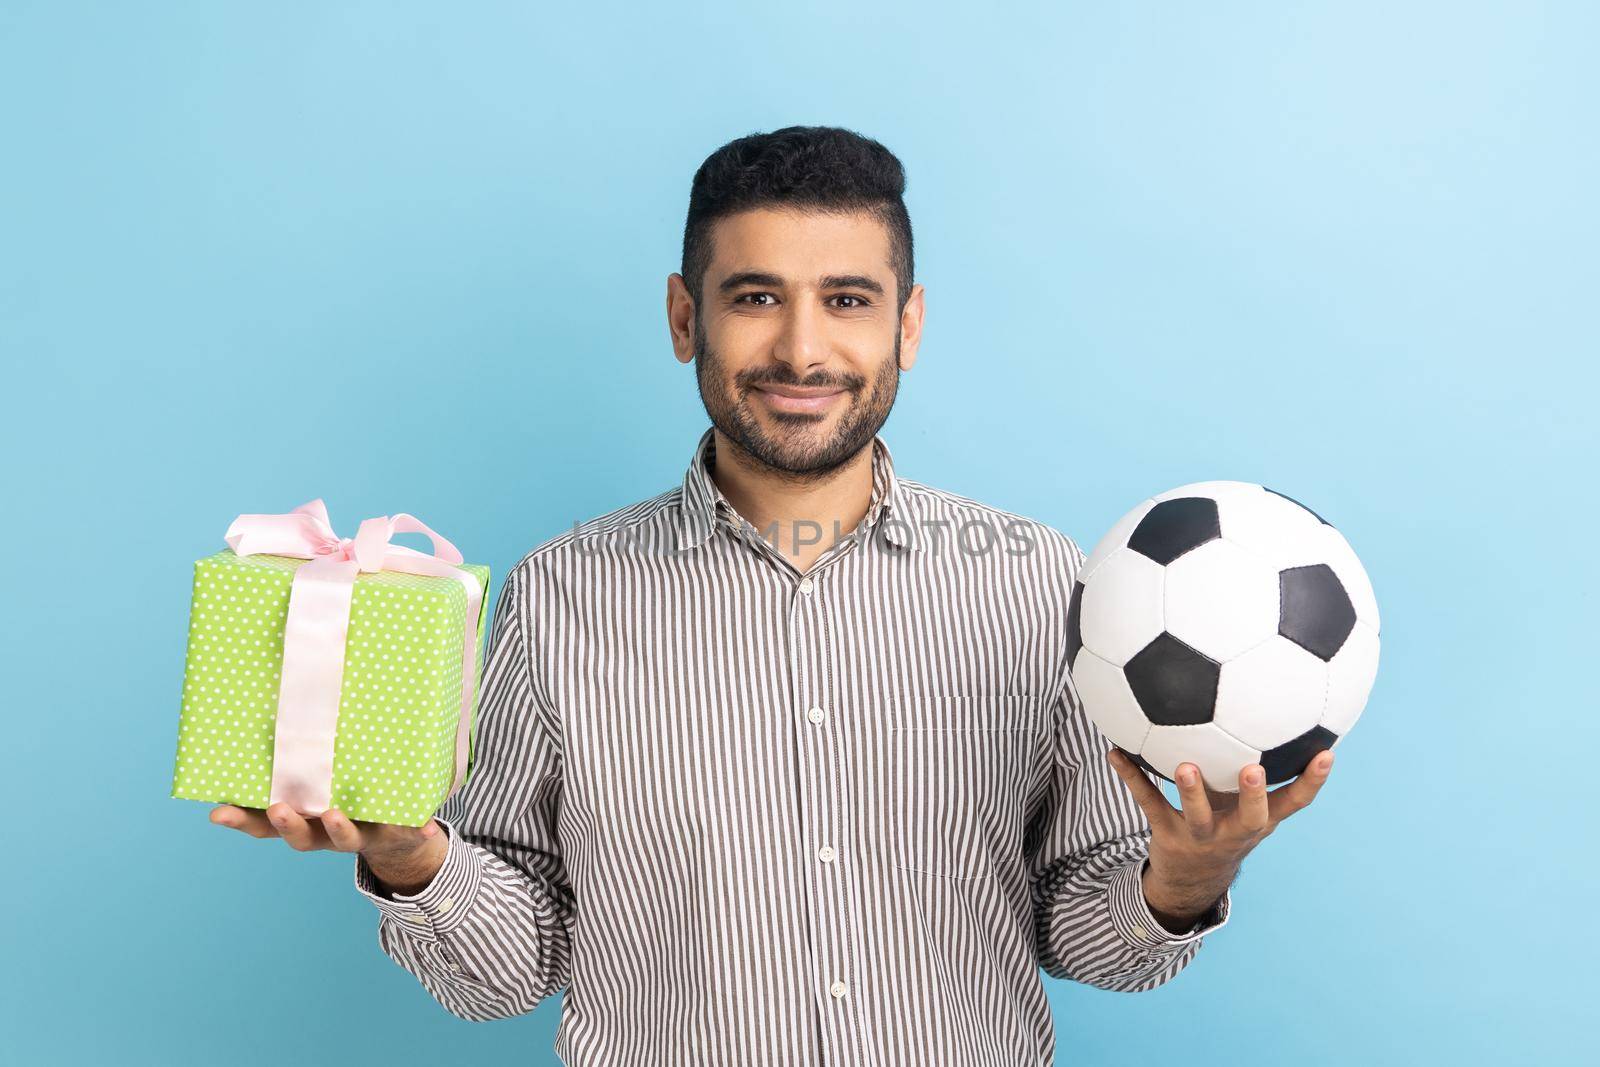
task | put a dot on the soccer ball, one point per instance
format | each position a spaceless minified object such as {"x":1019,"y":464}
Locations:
{"x":1223,"y":624}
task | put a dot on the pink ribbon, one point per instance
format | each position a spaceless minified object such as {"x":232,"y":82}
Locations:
{"x":319,"y":623}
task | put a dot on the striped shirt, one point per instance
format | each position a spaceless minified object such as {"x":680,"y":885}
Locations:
{"x":746,"y":815}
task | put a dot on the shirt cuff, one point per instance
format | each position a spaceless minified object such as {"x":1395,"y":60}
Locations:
{"x":1130,"y":914}
{"x":438,"y":907}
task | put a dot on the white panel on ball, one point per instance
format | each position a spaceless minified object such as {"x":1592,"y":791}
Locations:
{"x":1115,"y":538}
{"x":1103,"y":688}
{"x":1219,"y":756}
{"x":1350,"y":676}
{"x":1221,"y":600}
{"x":1271,"y":694}
{"x":1122,"y":606}
{"x":1337,"y":553}
{"x":1277,"y":530}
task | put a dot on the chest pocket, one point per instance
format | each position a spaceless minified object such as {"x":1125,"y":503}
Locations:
{"x":955,"y":775}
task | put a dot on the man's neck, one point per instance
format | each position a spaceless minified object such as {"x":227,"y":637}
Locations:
{"x":800,"y":517}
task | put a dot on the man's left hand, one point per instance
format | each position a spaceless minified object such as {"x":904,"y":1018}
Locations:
{"x":1195,"y":853}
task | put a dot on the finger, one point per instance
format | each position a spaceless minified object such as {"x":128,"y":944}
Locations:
{"x":294,"y":828}
{"x":252,"y":821}
{"x":343,"y":834}
{"x":1252,"y":809}
{"x":1196,"y":805}
{"x":381,"y":833}
{"x":1284,"y":802}
{"x":1156,"y":806}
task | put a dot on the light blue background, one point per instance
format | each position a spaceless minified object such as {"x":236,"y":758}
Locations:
{"x":413,"y":258}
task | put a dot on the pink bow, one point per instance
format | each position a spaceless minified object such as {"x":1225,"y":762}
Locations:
{"x":318,"y":625}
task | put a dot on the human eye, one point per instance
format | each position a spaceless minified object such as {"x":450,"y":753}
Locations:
{"x":860,"y":301}
{"x":744,"y":296}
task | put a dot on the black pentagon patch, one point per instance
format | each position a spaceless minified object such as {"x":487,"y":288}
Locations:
{"x":1174,"y":684}
{"x":1290,"y":758}
{"x":1074,"y":624}
{"x":1173,"y":527}
{"x":1297,"y":503}
{"x":1314,"y":611}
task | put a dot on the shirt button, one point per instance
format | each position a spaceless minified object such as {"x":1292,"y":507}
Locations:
{"x":815,"y":715}
{"x":806,"y":586}
{"x":414,"y":917}
{"x":446,"y":904}
{"x":453,"y":965}
{"x":826,"y":854}
{"x":837,"y":989}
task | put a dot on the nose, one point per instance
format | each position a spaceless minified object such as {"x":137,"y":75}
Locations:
{"x":802,"y":344}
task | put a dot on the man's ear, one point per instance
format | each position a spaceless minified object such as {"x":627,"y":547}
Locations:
{"x":911,"y":327}
{"x":680,"y":318}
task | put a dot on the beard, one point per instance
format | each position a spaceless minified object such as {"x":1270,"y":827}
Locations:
{"x":793,"y":449}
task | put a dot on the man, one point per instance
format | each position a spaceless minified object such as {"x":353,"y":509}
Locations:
{"x":784,"y":765}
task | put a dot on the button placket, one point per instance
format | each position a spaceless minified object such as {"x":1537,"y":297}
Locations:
{"x":824,"y":777}
{"x":814,"y":752}
{"x":819,"y":774}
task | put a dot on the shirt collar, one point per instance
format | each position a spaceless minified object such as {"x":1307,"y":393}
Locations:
{"x":703,"y":504}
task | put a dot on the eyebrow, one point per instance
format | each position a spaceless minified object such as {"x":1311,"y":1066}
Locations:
{"x":828,"y":281}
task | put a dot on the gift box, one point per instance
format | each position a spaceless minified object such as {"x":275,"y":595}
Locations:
{"x":331,"y":672}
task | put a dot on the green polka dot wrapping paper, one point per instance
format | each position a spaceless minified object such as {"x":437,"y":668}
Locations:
{"x":400,"y":700}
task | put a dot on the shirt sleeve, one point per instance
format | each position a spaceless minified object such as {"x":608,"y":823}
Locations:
{"x":1090,"y":845}
{"x":491,"y":935}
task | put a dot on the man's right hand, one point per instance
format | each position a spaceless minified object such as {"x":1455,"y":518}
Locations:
{"x":404,"y":859}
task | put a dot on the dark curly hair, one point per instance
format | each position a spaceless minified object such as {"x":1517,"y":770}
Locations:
{"x":823,"y":168}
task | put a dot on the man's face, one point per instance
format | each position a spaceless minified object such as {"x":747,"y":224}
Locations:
{"x":797,"y":340}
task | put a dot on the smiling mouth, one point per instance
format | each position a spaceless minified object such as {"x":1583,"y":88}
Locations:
{"x":791,"y":399}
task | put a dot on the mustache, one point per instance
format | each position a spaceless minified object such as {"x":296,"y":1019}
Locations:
{"x":755,"y":379}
